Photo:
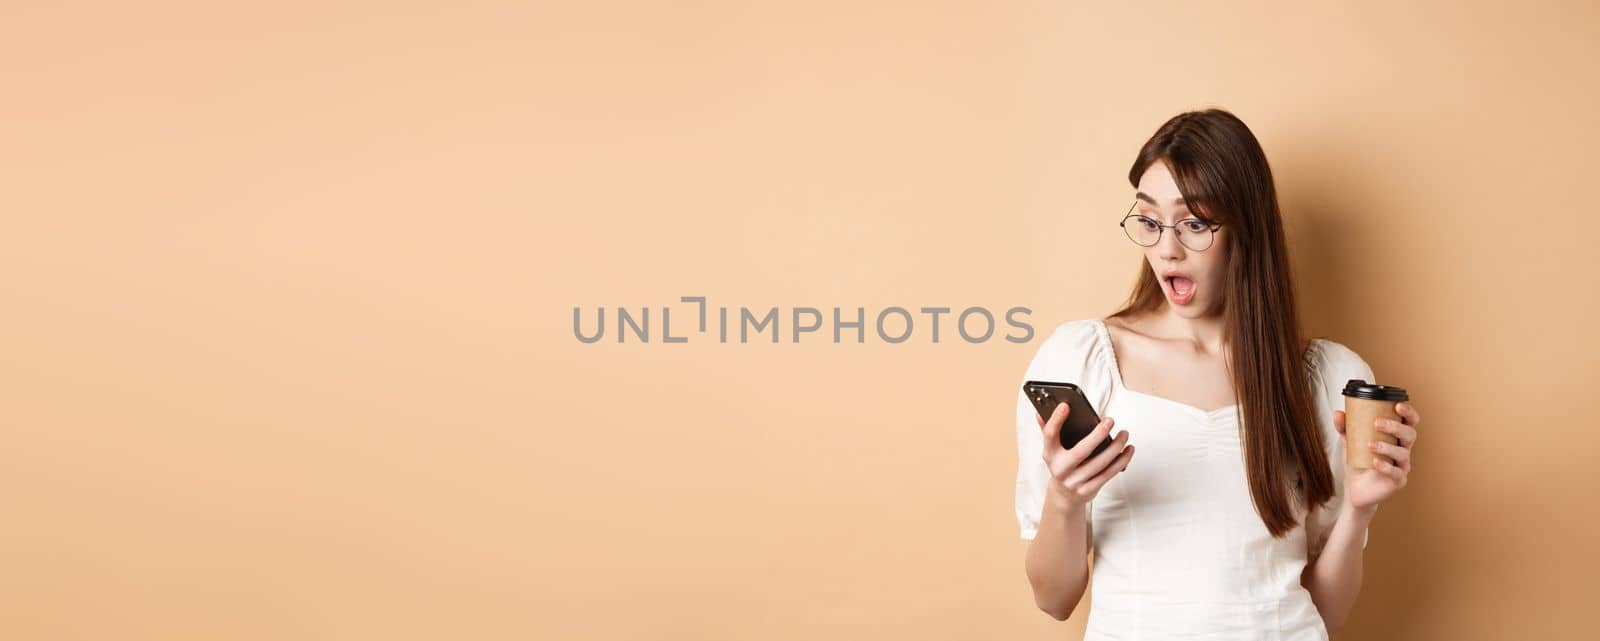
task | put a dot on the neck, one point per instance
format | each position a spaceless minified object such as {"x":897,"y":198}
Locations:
{"x":1205,"y":332}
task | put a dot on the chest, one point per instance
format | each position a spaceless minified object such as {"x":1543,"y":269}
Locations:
{"x":1194,"y":379}
{"x":1190,"y":471}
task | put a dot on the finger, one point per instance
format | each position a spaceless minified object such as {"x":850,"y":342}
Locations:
{"x":1405,"y":433}
{"x":1388,"y":469}
{"x":1052,"y":432}
{"x":1117,"y":466}
{"x":1060,"y":467}
{"x":1338,"y":420}
{"x":1093,"y":466}
{"x":1060,"y":409}
{"x":1081,"y":451}
{"x":1395,"y":453}
{"x":1408,"y":413}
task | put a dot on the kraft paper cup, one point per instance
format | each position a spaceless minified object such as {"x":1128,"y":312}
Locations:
{"x":1365,"y":403}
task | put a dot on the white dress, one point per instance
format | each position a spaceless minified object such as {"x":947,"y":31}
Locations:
{"x":1179,"y":550}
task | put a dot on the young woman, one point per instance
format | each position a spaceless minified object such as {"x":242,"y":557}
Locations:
{"x":1242,"y":520}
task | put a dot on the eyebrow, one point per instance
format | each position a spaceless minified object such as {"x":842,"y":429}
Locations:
{"x":1146,"y":197}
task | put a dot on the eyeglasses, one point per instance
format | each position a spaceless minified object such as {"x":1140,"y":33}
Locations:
{"x":1145,"y":231}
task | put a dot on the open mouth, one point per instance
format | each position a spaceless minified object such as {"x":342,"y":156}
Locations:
{"x":1180,"y":289}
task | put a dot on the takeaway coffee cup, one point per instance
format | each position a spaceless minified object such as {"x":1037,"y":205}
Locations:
{"x":1364,"y":403}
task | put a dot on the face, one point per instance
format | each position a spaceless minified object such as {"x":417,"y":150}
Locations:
{"x":1192,"y":280}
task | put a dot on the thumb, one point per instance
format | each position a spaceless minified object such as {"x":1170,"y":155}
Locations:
{"x":1338,"y":421}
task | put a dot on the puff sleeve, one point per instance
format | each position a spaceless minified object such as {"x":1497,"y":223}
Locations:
{"x":1332,"y":365}
{"x":1073,"y":353}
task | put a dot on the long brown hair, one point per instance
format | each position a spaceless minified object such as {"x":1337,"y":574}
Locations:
{"x":1221,"y":171}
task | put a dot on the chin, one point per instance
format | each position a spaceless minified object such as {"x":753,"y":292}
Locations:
{"x":1197,"y":309}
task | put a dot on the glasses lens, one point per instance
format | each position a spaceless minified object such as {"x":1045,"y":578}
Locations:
{"x":1141,"y":230}
{"x":1194,"y":234}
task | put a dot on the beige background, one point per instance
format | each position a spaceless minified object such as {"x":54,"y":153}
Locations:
{"x":288,"y":296}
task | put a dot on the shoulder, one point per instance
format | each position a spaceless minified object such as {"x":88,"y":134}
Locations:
{"x":1074,"y":342}
{"x":1079,"y":333}
{"x":1074,"y":352}
{"x":1331,"y":364}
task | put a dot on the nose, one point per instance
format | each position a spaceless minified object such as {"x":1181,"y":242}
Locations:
{"x":1169,"y":248}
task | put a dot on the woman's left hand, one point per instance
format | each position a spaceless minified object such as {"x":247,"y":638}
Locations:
{"x":1364,"y":489}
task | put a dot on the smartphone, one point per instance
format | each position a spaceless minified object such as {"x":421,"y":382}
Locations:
{"x":1081,"y":420}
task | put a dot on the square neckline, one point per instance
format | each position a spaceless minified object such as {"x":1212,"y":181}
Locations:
{"x":1104,"y":335}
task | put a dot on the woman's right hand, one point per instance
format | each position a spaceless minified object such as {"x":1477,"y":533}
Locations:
{"x":1077,"y":477}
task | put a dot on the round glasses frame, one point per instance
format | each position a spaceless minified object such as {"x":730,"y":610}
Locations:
{"x":1209,"y":233}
